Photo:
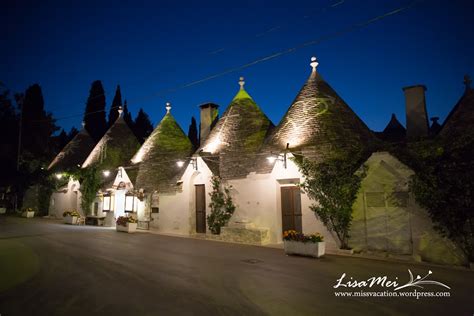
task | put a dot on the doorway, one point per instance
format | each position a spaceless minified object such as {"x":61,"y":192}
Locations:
{"x":291,"y":208}
{"x":200,"y":208}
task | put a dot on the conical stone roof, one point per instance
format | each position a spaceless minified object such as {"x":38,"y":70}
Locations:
{"x":394,"y":131}
{"x":115,"y":148}
{"x":74,"y":153}
{"x":461,"y":118}
{"x":235,"y":141}
{"x":158,"y":156}
{"x":319,"y":121}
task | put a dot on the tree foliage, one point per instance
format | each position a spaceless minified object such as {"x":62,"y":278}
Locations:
{"x":94,"y":115}
{"x":443,"y":184}
{"x":90,"y":180}
{"x":116,"y":103}
{"x":222,"y":205}
{"x":333,"y":185}
{"x":142,"y":127}
{"x":38,"y":127}
{"x":193,"y":133}
{"x":127,"y":116}
{"x":8,"y":136}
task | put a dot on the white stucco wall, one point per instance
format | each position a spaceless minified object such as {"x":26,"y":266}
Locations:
{"x":257,"y":199}
{"x":68,"y":198}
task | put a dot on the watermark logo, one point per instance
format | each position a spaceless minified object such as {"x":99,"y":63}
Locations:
{"x":390,"y":286}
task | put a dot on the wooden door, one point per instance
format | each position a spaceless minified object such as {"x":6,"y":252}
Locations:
{"x":200,"y":208}
{"x":291,"y":209}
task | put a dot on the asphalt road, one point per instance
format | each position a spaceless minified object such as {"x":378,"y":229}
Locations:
{"x":47,"y":268}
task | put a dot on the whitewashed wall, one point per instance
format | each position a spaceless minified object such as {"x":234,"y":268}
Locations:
{"x":69,"y":198}
{"x":257,"y":198}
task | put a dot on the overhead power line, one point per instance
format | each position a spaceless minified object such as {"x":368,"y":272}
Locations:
{"x":335,"y":34}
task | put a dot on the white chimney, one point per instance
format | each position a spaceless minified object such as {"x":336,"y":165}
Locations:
{"x":209,"y":115}
{"x":417,"y":117}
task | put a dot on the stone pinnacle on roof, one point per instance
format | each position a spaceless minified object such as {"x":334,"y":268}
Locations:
{"x":314,"y":63}
{"x":241,"y":83}
{"x":168,"y":107}
{"x":120,"y":111}
{"x":83,"y":123}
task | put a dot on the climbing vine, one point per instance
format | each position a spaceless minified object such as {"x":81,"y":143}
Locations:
{"x":222,"y":205}
{"x":90,"y":184}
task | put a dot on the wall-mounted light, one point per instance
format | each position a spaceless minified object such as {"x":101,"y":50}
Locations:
{"x":58,"y":176}
{"x":180,"y":163}
{"x":106,"y":173}
{"x":129,"y":202}
{"x":271,"y":159}
{"x":281,"y":157}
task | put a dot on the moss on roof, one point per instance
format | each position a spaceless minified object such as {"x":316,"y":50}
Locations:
{"x":158,"y":156}
{"x":115,"y":148}
{"x":238,"y":136}
{"x":318,"y":119}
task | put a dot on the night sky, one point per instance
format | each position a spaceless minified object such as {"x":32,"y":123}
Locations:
{"x":149,"y":47}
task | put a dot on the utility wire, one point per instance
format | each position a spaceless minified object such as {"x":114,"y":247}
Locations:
{"x":349,"y":29}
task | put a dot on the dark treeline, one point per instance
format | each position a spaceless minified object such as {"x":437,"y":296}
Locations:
{"x":30,"y":136}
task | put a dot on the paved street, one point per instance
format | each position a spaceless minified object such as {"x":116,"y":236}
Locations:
{"x":47,"y":268}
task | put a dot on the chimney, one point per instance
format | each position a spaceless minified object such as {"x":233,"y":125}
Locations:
{"x":209,"y":113}
{"x":417,"y":118}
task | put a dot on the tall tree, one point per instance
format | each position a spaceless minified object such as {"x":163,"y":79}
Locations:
{"x":94,"y":116}
{"x":38,"y":127}
{"x":61,"y":140}
{"x":72,"y":133}
{"x":193,"y":134}
{"x":8,"y":137}
{"x":142,"y":126}
{"x":116,"y":103}
{"x":127,"y":116}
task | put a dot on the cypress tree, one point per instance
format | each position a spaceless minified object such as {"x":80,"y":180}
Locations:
{"x":142,"y":126}
{"x":8,"y":137}
{"x":193,"y":134}
{"x":95,"y":111}
{"x":38,"y":127}
{"x":116,"y":103}
{"x":127,"y":116}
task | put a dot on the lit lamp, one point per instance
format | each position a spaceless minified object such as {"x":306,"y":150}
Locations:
{"x":281,"y":157}
{"x":180,"y":163}
{"x":107,"y":203}
{"x":129,"y":202}
{"x":58,"y":176}
{"x":106,"y":173}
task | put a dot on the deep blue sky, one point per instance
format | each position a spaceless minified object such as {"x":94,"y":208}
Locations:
{"x":148,"y":47}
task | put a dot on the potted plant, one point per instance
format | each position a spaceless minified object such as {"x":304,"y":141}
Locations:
{"x":296,"y":243}
{"x":28,"y":212}
{"x":70,"y":217}
{"x":126,"y":224}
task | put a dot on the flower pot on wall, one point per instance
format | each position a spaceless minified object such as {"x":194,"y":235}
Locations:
{"x":129,"y":228}
{"x":71,"y":220}
{"x":28,"y":214}
{"x":309,"y":249}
